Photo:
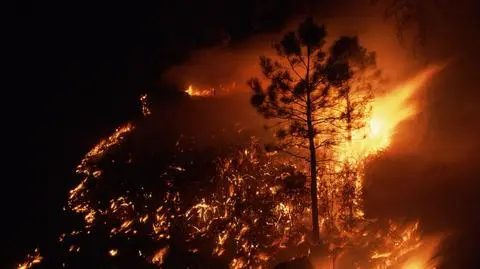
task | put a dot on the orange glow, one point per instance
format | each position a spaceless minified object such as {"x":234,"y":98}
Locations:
{"x":113,"y":252}
{"x":199,"y":92}
{"x":159,"y":257}
{"x":31,"y":260}
{"x":387,"y":112}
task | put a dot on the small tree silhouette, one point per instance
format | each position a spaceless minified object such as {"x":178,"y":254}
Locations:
{"x":306,"y":86}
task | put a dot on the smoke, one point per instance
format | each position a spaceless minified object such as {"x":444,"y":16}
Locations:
{"x":433,"y":174}
{"x":237,"y":62}
{"x":232,"y":64}
{"x":441,"y":167}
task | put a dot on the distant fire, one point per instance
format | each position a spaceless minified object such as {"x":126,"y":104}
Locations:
{"x":210,"y":92}
{"x":199,"y":92}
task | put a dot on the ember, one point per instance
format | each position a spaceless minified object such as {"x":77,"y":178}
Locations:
{"x":31,"y":260}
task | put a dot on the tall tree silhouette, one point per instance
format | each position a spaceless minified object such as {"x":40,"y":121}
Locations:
{"x":351,"y":101}
{"x":304,"y":85}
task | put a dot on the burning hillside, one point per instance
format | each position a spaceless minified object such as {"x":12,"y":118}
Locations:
{"x":238,"y":204}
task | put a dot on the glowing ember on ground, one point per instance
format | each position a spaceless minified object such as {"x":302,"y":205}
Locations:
{"x":145,"y":108}
{"x":89,"y":171}
{"x":31,"y":260}
{"x":159,"y":256}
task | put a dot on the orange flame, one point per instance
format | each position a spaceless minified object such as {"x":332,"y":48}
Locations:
{"x":199,"y":92}
{"x":387,"y":112}
{"x":31,"y":260}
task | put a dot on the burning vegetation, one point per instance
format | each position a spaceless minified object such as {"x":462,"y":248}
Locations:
{"x":210,"y":92}
{"x":243,"y":205}
{"x":31,"y":260}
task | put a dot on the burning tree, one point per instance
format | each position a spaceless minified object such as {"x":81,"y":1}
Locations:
{"x":311,"y":97}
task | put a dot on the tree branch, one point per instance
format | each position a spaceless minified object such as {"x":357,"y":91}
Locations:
{"x":296,"y":155}
{"x":294,"y":70}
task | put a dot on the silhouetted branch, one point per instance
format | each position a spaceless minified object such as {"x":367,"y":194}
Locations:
{"x":294,"y":70}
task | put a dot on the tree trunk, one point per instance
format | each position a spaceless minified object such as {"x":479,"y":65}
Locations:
{"x":313,"y":159}
{"x":349,"y":141}
{"x":348,"y":116}
{"x":313,"y":186}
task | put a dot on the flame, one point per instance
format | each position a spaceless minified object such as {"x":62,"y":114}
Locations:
{"x":199,"y":92}
{"x":388,"y":112}
{"x":346,"y":178}
{"x":219,"y":90}
{"x":90,"y":172}
{"x":113,"y":252}
{"x":423,"y":256}
{"x":159,"y":257}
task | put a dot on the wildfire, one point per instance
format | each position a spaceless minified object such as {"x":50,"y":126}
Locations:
{"x":250,"y":217}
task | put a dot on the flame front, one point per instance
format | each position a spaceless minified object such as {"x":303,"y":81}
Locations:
{"x":390,"y":110}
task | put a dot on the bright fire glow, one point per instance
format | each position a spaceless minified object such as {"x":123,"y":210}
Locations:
{"x":387,"y":112}
{"x":219,"y":90}
{"x":159,"y":256}
{"x":199,"y":92}
{"x":113,"y":252}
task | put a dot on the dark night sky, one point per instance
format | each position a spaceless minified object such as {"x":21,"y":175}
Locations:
{"x":76,"y":70}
